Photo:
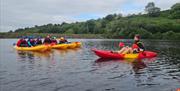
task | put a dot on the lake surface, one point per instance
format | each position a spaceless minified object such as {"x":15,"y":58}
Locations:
{"x":81,"y":70}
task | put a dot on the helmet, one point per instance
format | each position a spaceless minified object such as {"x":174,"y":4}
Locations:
{"x":62,"y":38}
{"x":54,"y":37}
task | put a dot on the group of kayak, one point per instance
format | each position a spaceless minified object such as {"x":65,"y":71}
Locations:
{"x":32,"y":44}
{"x":136,"y":51}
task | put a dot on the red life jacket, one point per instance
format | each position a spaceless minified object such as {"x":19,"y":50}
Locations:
{"x":54,"y":41}
{"x":19,"y":42}
{"x":135,"y":46}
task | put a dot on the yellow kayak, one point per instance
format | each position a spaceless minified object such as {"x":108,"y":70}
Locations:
{"x":131,"y":56}
{"x":60,"y":46}
{"x":40,"y":48}
{"x":48,"y":47}
{"x":78,"y":44}
{"x":71,"y":45}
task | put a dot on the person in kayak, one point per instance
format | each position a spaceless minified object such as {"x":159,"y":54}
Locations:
{"x":31,"y":42}
{"x":138,"y":45}
{"x":47,"y":40}
{"x":62,"y":40}
{"x":22,"y":43}
{"x":38,"y":41}
{"x":54,"y":41}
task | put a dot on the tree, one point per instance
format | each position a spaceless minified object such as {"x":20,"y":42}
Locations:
{"x":19,"y":30}
{"x":10,"y":31}
{"x":110,"y":17}
{"x":168,"y":35}
{"x":90,"y":26}
{"x":152,"y":10}
{"x":175,"y":11}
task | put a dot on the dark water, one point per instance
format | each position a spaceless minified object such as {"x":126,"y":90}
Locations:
{"x":80,"y":70}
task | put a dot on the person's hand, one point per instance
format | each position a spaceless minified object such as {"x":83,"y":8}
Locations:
{"x":135,"y":49}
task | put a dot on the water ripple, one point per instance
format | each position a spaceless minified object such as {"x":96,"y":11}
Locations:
{"x":80,"y":69}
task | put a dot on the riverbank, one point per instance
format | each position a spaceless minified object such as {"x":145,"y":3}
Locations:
{"x":79,"y":36}
{"x":161,"y":36}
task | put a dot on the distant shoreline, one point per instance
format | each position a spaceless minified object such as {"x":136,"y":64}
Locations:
{"x":79,"y":36}
{"x":7,"y":35}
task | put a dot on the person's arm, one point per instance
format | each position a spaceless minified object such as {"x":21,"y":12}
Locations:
{"x":29,"y":44}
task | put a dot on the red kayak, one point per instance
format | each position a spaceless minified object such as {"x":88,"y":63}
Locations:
{"x":110,"y":55}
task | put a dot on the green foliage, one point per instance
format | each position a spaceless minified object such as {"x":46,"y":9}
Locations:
{"x":110,"y":17}
{"x":175,"y":11}
{"x":157,"y":35}
{"x":155,"y":24}
{"x":171,"y":35}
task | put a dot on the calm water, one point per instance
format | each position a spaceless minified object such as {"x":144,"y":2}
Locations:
{"x":80,"y":70}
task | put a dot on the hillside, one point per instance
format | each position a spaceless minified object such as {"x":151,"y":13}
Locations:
{"x":161,"y":25}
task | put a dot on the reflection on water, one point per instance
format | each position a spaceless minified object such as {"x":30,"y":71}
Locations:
{"x":80,"y":70}
{"x":136,"y":64}
{"x":31,"y":55}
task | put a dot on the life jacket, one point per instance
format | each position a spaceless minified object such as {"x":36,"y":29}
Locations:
{"x":135,"y":46}
{"x":38,"y":42}
{"x":138,"y":46}
{"x":24,"y":41}
{"x":32,"y":42}
{"x":47,"y":40}
{"x":62,"y":41}
{"x":54,"y":41}
{"x":19,"y":42}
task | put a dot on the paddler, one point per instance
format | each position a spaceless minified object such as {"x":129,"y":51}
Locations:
{"x":138,"y":45}
{"x":62,"y":40}
{"x":54,"y":41}
{"x":31,"y":42}
{"x":47,"y":40}
{"x":22,"y":42}
{"x":38,"y":41}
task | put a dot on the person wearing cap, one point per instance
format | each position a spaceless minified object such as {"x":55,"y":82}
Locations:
{"x":47,"y":40}
{"x":62,"y":40}
{"x":138,"y":45}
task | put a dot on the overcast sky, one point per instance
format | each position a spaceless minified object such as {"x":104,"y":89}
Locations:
{"x":27,"y":13}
